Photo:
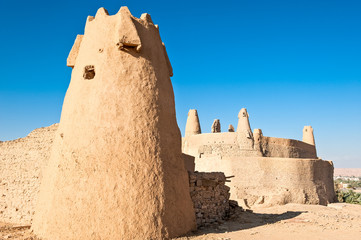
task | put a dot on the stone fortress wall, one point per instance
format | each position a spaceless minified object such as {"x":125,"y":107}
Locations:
{"x":266,"y":170}
{"x":210,"y":197}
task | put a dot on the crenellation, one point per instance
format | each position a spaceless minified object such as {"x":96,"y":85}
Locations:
{"x":216,"y":126}
{"x":74,"y":51}
{"x":146,"y":17}
{"x":192,"y":125}
{"x":244,"y":132}
{"x":308,"y":136}
{"x":102,"y":12}
{"x":257,"y":136}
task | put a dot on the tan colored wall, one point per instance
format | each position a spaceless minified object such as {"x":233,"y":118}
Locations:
{"x":275,"y":171}
{"x":225,"y":144}
{"x":287,"y":148}
{"x":21,"y":162}
{"x":270,"y":181}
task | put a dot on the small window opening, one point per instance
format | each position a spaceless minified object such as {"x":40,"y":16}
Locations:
{"x":89,"y":72}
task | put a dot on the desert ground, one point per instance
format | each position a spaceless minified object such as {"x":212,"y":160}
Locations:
{"x":337,"y":221}
{"x":347,"y":172}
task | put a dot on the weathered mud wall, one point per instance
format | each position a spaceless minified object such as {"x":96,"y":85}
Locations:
{"x":286,"y":148}
{"x":271,"y":181}
{"x":23,"y":159}
{"x":21,"y":162}
{"x":225,"y":144}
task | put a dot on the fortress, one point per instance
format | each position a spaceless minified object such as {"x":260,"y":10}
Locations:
{"x":266,"y":170}
{"x":115,"y":167}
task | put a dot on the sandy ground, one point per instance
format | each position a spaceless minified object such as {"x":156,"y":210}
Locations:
{"x":337,"y":221}
{"x":347,"y":172}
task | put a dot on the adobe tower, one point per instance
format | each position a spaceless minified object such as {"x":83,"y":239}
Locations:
{"x":115,"y":170}
{"x":192,"y":126}
{"x":308,"y":136}
{"x":244,"y":132}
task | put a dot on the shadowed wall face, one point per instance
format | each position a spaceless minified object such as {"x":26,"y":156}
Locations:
{"x":116,"y":170}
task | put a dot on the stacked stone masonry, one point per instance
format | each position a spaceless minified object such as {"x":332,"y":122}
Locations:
{"x":210,"y":197}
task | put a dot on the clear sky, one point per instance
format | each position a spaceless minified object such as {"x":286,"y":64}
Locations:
{"x":290,"y":63}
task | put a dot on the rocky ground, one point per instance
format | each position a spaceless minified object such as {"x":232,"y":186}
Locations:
{"x":292,"y":221}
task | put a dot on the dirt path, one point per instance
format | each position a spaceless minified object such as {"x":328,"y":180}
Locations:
{"x":293,"y":221}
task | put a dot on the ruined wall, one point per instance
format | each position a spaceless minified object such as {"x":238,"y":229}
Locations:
{"x":210,"y":197}
{"x":272,"y":181}
{"x":21,"y":162}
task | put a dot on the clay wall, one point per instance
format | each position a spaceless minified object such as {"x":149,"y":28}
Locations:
{"x":225,"y":144}
{"x":286,"y":148}
{"x":21,"y":162}
{"x":271,"y":181}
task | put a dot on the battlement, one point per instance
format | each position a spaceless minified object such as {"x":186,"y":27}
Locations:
{"x":244,"y":142}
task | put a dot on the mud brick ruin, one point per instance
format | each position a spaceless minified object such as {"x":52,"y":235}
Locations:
{"x":210,"y":197}
{"x":116,"y":166}
{"x":266,"y":170}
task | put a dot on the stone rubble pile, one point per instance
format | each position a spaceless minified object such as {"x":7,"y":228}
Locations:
{"x":210,"y":197}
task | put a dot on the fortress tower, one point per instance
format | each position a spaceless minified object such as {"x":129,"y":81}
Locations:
{"x":216,"y":126}
{"x":115,"y":170}
{"x":244,"y":132}
{"x":192,"y":126}
{"x":257,"y":136}
{"x":308,"y":135}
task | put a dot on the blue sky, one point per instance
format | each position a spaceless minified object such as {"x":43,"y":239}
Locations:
{"x":290,"y":63}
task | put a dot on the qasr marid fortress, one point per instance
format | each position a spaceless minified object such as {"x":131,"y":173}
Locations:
{"x":116,"y":166}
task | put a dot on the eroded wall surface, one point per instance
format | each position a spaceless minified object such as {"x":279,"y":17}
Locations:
{"x":274,"y":181}
{"x":21,"y":162}
{"x":268,"y":171}
{"x":226,"y":144}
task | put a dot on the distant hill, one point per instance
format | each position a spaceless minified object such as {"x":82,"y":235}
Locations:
{"x":347,"y":172}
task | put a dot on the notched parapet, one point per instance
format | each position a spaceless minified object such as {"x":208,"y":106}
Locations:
{"x":101,"y":12}
{"x":146,"y":17}
{"x":192,"y":126}
{"x":70,"y":62}
{"x":128,"y":36}
{"x":216,"y":126}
